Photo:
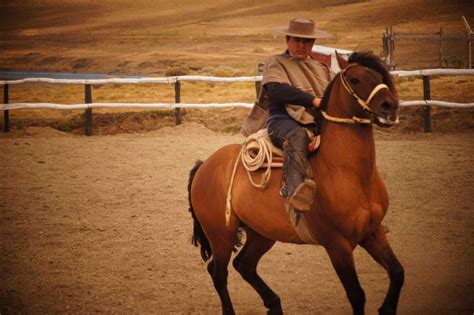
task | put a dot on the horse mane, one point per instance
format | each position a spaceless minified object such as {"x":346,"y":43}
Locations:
{"x":325,"y":100}
{"x":371,"y":61}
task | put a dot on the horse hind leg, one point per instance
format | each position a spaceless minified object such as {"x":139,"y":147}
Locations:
{"x":377,"y":246}
{"x":218,"y":271}
{"x":216,"y":241}
{"x":246,"y":264}
{"x":222,"y":246}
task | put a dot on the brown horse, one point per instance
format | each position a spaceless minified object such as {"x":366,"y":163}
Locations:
{"x":350,"y":203}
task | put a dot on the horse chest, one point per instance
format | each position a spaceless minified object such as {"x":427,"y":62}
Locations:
{"x":352,"y":205}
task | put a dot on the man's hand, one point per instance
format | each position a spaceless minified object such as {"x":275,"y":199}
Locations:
{"x":316,"y":101}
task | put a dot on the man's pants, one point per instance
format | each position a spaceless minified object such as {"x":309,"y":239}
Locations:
{"x":297,"y":185}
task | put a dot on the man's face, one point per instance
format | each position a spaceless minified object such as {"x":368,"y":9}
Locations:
{"x":300,"y":47}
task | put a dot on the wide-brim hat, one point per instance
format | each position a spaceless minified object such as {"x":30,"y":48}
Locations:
{"x":302,"y":28}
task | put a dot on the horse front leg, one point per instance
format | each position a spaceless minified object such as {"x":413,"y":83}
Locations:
{"x":340,"y":253}
{"x":377,"y":246}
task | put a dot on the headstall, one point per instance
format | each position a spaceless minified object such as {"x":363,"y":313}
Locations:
{"x":364,"y":104}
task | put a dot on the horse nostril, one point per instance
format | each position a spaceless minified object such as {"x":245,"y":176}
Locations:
{"x":386,"y":106}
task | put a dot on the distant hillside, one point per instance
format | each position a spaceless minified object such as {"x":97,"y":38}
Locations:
{"x":148,"y":37}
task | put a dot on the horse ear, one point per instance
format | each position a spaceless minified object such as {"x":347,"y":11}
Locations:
{"x":341,"y":61}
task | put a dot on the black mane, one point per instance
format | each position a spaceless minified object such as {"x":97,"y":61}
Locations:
{"x":371,"y":61}
{"x":327,"y":92}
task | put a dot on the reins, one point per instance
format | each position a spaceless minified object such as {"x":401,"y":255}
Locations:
{"x":353,"y":120}
{"x":364,"y":104}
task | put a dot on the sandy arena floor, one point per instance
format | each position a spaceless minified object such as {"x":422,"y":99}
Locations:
{"x":100,"y":224}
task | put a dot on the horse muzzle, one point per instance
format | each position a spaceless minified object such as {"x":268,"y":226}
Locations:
{"x":388,"y":114}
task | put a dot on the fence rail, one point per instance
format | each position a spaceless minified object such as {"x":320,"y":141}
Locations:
{"x":436,"y":103}
{"x":121,"y":105}
{"x":89,"y":105}
{"x":92,"y":81}
{"x":196,"y":105}
{"x":166,"y":80}
{"x":431,"y":72}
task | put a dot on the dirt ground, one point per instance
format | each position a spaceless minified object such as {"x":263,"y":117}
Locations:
{"x":100,"y":224}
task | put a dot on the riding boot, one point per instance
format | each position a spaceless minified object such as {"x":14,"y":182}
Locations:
{"x":298,"y":187}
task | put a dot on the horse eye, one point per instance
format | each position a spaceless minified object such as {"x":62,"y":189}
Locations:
{"x":354,"y":80}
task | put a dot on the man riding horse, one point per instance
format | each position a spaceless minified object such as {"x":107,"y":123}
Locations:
{"x":292,"y":86}
{"x":351,"y":199}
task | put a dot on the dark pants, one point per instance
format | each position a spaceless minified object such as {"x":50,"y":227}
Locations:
{"x":280,"y":129}
{"x":292,"y":137}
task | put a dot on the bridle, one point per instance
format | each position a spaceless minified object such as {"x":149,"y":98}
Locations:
{"x":364,"y":104}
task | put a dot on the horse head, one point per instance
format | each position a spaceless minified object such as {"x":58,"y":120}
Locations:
{"x":368,"y":82}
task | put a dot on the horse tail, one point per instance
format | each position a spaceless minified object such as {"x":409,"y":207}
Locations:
{"x":198,"y":238}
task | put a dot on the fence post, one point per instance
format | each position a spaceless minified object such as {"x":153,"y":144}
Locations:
{"x":258,"y":87}
{"x":440,"y":53}
{"x":258,"y":84}
{"x":88,"y":111}
{"x":391,"y":48}
{"x":177,"y":100}
{"x":426,"y":109}
{"x":469,"y":45}
{"x":6,"y":114}
{"x":469,"y":51}
{"x":388,"y":43}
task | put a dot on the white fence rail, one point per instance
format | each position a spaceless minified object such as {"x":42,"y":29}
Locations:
{"x":121,"y":105}
{"x":437,"y":103}
{"x":132,"y":80}
{"x":195,"y":105}
{"x":89,"y":105}
{"x":430,"y":72}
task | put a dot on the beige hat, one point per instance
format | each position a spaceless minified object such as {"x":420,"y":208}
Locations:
{"x":302,"y":28}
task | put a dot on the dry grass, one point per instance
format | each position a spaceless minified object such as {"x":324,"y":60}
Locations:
{"x":147,"y":37}
{"x":225,"y":38}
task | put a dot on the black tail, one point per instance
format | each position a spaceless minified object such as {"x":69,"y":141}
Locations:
{"x":199,"y":238}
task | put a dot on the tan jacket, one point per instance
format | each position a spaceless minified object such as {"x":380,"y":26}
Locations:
{"x":308,"y":75}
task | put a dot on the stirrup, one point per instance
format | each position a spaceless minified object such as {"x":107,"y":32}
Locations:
{"x":303,"y":197}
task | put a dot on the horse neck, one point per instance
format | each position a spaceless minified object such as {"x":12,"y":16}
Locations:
{"x":347,"y":146}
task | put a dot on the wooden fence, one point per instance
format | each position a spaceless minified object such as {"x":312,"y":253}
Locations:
{"x":88,"y":104}
{"x":389,"y":39}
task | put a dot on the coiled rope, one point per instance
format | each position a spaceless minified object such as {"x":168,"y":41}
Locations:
{"x":255,"y":152}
